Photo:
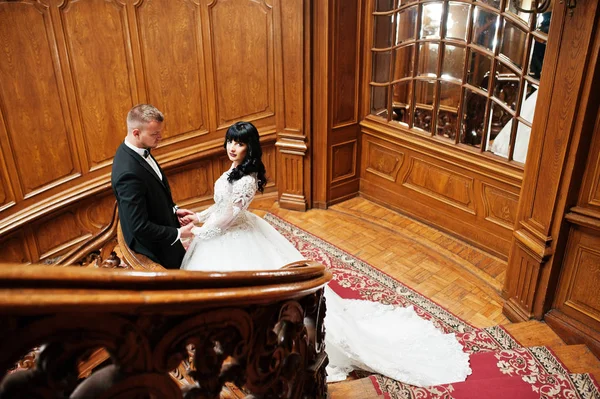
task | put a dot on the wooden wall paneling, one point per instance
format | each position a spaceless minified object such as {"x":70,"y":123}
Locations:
{"x":344,"y":98}
{"x":576,"y":309}
{"x":292,"y":144}
{"x":321,"y":83}
{"x":89,"y":61}
{"x":346,"y":63}
{"x":270,"y":161}
{"x":193,"y":184}
{"x":70,"y":226}
{"x":576,"y":312}
{"x":99,"y":51}
{"x":441,"y":184}
{"x":7,"y":197}
{"x":15,"y":249}
{"x":36,"y":121}
{"x":241,"y":42}
{"x":173,"y":75}
{"x":540,"y":237}
{"x":500,"y":206}
{"x":416,"y":180}
{"x":58,"y":232}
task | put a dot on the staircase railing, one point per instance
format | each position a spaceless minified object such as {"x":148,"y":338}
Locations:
{"x":262,"y":331}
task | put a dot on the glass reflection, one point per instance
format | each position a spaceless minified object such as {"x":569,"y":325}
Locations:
{"x":493,"y":3}
{"x":538,"y":50}
{"x":428,"y":59}
{"x":506,"y":86}
{"x":381,"y":66}
{"x":447,"y":120}
{"x":379,"y":95}
{"x":449,"y":94}
{"x":401,"y":101}
{"x":473,"y":118}
{"x":529,"y":101}
{"x":479,"y":70}
{"x":457,"y":20}
{"x":521,"y":142}
{"x":403,"y":63}
{"x":513,"y":45}
{"x":485,"y":27}
{"x":424,"y":91}
{"x":423,"y":119}
{"x":384,"y":5}
{"x":523,"y":4}
{"x":454,"y":62}
{"x":407,"y":22}
{"x":382,"y":31}
{"x":431,"y":20}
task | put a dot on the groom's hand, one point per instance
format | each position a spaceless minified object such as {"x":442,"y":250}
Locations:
{"x":186,"y":231}
{"x":185,"y":216}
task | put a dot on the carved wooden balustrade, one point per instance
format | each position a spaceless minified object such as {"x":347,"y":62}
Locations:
{"x":262,"y":331}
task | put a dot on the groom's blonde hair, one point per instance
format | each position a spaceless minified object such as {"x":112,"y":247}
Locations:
{"x":142,"y":114}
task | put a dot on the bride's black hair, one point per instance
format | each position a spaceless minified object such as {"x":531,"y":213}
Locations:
{"x":245,"y":132}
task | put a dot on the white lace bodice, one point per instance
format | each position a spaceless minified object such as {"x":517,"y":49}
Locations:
{"x":228,"y":212}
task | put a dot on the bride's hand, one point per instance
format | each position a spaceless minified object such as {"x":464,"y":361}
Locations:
{"x":186,"y":216}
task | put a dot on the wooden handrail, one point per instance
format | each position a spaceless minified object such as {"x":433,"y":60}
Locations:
{"x":262,"y":330}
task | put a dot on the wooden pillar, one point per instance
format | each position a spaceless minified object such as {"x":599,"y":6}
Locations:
{"x":293,"y":117}
{"x":554,"y":161}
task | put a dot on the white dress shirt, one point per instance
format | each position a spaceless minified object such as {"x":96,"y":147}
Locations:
{"x":148,"y":159}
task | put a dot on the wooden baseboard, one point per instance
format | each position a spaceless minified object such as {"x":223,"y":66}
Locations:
{"x":573,"y":331}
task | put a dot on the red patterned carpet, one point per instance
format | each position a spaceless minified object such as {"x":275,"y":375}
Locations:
{"x":501,"y":367}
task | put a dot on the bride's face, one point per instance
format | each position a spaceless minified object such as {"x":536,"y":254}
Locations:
{"x":236,"y":151}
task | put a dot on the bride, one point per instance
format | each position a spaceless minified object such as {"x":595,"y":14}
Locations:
{"x":371,"y":336}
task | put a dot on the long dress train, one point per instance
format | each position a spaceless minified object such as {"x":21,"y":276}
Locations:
{"x":384,"y":339}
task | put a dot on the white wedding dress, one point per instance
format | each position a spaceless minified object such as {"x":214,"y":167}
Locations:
{"x":384,"y":339}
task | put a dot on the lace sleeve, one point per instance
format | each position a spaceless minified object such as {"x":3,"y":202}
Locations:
{"x":202,"y":216}
{"x":242,"y":194}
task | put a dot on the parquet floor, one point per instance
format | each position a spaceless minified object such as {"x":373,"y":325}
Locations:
{"x":465,"y":280}
{"x":459,"y":277}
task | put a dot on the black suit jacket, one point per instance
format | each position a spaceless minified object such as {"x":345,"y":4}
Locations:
{"x":146,"y":213}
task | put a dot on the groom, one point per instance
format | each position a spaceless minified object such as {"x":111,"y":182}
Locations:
{"x":150,"y":220}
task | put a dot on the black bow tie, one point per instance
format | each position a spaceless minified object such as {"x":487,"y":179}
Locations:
{"x":146,"y":153}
